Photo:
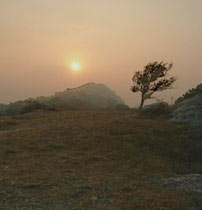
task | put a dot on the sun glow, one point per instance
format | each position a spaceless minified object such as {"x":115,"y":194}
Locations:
{"x":75,"y":66}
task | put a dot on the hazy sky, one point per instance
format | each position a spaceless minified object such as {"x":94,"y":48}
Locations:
{"x":39,"y":39}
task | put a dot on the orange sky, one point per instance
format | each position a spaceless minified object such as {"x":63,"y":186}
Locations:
{"x":111,"y":39}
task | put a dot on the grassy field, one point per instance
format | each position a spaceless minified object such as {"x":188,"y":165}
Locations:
{"x":99,"y":160}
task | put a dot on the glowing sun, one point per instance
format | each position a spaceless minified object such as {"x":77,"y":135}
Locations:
{"x":76,"y":66}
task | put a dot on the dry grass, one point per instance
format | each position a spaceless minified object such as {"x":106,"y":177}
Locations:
{"x":95,"y":160}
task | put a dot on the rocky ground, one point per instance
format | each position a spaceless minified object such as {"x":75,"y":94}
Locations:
{"x":105,"y":160}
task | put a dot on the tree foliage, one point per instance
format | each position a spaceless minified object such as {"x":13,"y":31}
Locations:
{"x":152,"y":79}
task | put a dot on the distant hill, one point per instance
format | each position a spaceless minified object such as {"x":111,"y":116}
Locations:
{"x":88,"y":96}
{"x":93,"y":95}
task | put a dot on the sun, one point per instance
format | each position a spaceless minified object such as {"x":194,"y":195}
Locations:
{"x":75,"y":66}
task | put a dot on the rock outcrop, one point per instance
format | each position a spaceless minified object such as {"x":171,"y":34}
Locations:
{"x":188,"y":111}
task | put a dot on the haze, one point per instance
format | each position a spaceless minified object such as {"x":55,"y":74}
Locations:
{"x":110,"y":39}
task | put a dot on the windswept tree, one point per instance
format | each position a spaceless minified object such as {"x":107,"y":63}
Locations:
{"x":152,"y":79}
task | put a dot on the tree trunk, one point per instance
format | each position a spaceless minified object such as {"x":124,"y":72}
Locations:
{"x":142,"y":103}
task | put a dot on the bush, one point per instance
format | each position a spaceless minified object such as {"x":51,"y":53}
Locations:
{"x":156,"y":110}
{"x":32,"y":106}
{"x":122,"y":107}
